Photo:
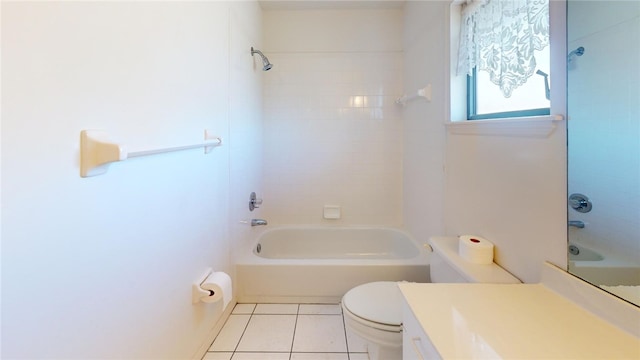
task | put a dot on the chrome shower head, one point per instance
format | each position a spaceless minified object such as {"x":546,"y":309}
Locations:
{"x":266,"y":65}
{"x":577,"y":52}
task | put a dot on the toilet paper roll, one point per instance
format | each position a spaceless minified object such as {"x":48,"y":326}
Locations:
{"x":475,"y":249}
{"x":218,"y":284}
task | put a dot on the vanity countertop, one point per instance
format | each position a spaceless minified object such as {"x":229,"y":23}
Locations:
{"x":513,"y":321}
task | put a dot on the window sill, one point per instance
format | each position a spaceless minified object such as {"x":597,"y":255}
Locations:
{"x":532,"y":126}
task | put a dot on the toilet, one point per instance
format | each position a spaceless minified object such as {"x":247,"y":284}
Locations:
{"x":374,"y":310}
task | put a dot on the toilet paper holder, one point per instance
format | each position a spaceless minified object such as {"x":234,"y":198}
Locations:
{"x":197,"y":292}
{"x":213,"y":287}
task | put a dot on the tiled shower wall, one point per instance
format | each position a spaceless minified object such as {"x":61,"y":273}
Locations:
{"x":332,"y":131}
{"x":604,"y":113}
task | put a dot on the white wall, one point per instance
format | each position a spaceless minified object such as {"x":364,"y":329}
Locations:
{"x":245,"y":103}
{"x":332,"y":133}
{"x":510,"y":190}
{"x":424,"y":133}
{"x":102,"y":267}
{"x":604,"y":126}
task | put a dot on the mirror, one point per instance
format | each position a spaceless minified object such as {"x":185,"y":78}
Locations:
{"x":603,"y":103}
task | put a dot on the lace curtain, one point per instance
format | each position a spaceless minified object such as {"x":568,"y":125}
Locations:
{"x":500,"y":36}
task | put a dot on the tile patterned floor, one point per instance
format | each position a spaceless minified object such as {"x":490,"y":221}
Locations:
{"x":286,"y":332}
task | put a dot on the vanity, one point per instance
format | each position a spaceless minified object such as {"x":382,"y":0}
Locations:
{"x":562,"y":317}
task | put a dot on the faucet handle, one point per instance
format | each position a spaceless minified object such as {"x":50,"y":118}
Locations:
{"x":577,"y":223}
{"x":580,"y":203}
{"x":254,"y":201}
{"x":258,"y":222}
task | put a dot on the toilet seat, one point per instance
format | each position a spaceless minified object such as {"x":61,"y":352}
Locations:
{"x":376,"y":305}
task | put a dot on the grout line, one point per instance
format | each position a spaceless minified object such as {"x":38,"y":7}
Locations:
{"x":293,"y":338}
{"x":346,"y":341}
{"x":243,"y":331}
{"x":297,"y":314}
{"x":258,"y":352}
{"x":219,"y":332}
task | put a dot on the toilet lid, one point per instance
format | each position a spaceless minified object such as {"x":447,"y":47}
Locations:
{"x":379,"y":302}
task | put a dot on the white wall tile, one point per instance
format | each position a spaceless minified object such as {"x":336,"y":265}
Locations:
{"x":333,"y":30}
{"x":424,"y":135}
{"x":343,"y":133}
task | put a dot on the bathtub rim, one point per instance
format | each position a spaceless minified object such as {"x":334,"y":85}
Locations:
{"x":610,"y":271}
{"x":249,"y":257}
{"x":608,"y":259}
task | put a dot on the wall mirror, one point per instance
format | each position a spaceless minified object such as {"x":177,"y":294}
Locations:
{"x":603,"y":102}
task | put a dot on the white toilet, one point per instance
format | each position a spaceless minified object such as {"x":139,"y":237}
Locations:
{"x":374,"y":310}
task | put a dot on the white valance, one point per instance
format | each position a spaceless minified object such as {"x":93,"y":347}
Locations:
{"x":500,"y":36}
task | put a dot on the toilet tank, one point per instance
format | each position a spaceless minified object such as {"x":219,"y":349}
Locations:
{"x":446,"y":266}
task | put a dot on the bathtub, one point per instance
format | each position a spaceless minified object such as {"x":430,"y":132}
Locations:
{"x":320,"y":264}
{"x":602,"y":268}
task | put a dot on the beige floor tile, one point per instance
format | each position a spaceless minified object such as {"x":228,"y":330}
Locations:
{"x":268,"y":333}
{"x":320,"y":333}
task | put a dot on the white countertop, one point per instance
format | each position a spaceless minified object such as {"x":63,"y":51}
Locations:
{"x":513,"y":321}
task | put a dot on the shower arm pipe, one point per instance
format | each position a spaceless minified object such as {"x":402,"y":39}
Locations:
{"x":425,"y":93}
{"x":577,"y":52}
{"x":256,"y":51}
{"x":97,"y":152}
{"x":266,"y":64}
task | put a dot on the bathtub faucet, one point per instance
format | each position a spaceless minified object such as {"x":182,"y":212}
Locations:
{"x":256,"y":222}
{"x":577,"y":223}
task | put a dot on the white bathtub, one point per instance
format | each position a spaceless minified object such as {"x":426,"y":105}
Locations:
{"x":603,"y":268}
{"x":320,"y":264}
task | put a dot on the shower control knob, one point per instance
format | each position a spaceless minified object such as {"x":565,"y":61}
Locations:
{"x":580,"y":203}
{"x":254,"y":201}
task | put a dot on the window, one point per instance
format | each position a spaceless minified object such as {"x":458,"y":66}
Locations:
{"x":504,"y":50}
{"x":486,"y":101}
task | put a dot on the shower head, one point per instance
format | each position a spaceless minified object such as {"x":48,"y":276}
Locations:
{"x":266,"y":65}
{"x":540,"y":72}
{"x":577,"y":52}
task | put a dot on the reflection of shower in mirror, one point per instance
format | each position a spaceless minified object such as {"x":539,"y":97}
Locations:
{"x":547,"y":90}
{"x":577,"y":52}
{"x":603,"y":138}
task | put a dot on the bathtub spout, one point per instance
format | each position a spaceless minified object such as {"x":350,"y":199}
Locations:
{"x":577,"y":223}
{"x":256,"y":222}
